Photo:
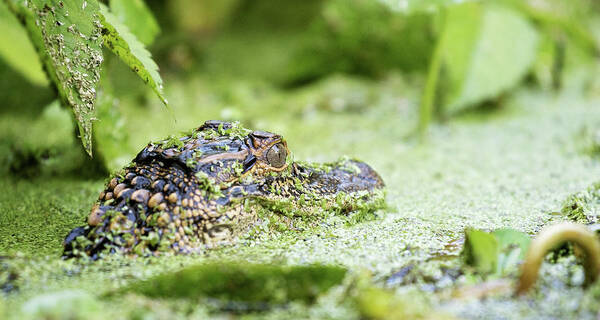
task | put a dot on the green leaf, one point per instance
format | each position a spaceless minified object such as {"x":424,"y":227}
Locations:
{"x":137,"y":17}
{"x":496,"y":252}
{"x":111,"y":138}
{"x":131,"y":51}
{"x":17,"y":50}
{"x":460,"y":29}
{"x":512,"y":238}
{"x":480,"y":250}
{"x":66,"y":35}
{"x":426,"y":109}
{"x":512,"y":245}
{"x":489,"y":53}
{"x":461,"y":32}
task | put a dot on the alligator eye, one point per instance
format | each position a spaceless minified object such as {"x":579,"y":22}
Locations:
{"x":276,"y":155}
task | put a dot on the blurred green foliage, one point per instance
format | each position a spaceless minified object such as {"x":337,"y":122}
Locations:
{"x":343,"y":42}
{"x":17,"y":50}
{"x":66,"y":304}
{"x":459,"y":54}
{"x":484,"y":49}
{"x":489,"y":48}
{"x":137,"y":17}
{"x":126,"y":46}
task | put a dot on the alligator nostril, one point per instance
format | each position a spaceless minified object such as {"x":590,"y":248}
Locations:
{"x":369,"y":175}
{"x":299,"y":170}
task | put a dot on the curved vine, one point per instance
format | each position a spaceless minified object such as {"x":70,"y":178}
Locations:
{"x":553,"y":236}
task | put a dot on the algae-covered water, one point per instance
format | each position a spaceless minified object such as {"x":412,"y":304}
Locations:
{"x":487,"y":169}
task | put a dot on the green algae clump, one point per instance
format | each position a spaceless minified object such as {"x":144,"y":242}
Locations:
{"x":583,"y":207}
{"x":244,"y":282}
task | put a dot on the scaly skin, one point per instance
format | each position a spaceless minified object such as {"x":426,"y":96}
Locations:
{"x":186,"y":194}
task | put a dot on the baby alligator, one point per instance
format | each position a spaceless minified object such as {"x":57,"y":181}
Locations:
{"x":212,"y":185}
